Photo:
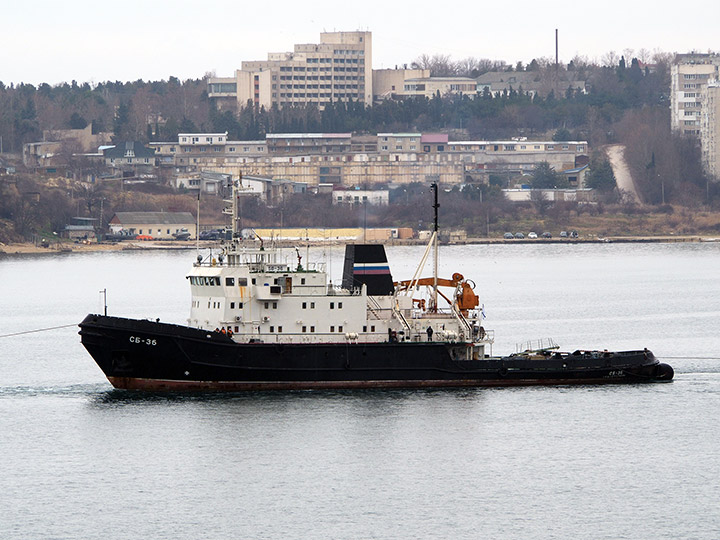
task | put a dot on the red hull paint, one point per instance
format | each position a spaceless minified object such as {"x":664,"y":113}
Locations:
{"x":131,"y":383}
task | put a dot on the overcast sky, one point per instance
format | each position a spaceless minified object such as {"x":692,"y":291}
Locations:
{"x":94,"y":41}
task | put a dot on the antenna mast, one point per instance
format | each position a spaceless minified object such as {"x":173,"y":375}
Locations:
{"x":435,"y":236}
{"x":197,"y":224}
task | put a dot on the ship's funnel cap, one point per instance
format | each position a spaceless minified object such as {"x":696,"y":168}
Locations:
{"x":367,"y":264}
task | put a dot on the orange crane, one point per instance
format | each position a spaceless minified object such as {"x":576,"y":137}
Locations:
{"x":464,"y":294}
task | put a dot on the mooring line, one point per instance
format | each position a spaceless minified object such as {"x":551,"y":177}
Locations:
{"x":38,"y":330}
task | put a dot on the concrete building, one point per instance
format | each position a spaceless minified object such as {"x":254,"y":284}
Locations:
{"x":341,"y":159}
{"x":209,"y":182}
{"x":552,"y":195}
{"x":81,"y":229}
{"x":689,"y":78}
{"x":444,"y":86}
{"x":271,"y":191}
{"x":59,"y":145}
{"x":293,"y":144}
{"x":389,"y":83}
{"x":694,"y":104}
{"x":539,"y":83}
{"x":339,"y":68}
{"x":193,"y":151}
{"x":159,"y":225}
{"x":710,"y":132}
{"x":376,"y":197}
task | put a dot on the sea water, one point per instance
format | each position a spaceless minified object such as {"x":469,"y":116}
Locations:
{"x":81,"y":460}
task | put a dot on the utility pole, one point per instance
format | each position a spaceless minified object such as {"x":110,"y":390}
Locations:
{"x":662,"y":187}
{"x":102,"y":229}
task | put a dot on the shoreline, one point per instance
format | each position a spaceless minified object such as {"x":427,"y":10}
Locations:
{"x":19,"y":249}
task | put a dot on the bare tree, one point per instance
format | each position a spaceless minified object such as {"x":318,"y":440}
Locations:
{"x":610,"y":59}
{"x":468,"y":67}
{"x":643,"y":55}
{"x":440,"y":65}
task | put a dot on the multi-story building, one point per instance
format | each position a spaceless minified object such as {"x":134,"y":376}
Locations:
{"x":431,"y":86}
{"x":343,"y":160}
{"x":534,"y":83}
{"x":194,"y":151}
{"x":710,"y":132}
{"x":339,"y":68}
{"x":694,"y":103}
{"x":689,"y":77}
{"x":389,"y":83}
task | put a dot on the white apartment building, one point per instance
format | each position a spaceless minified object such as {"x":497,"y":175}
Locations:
{"x":690,"y":75}
{"x":339,"y":68}
{"x":710,"y":131}
{"x":694,"y":104}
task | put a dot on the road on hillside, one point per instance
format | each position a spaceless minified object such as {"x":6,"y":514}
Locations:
{"x":616,"y":155}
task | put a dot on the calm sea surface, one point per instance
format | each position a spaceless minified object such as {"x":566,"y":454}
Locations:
{"x":81,"y":460}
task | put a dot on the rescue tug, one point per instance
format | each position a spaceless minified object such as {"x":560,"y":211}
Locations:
{"x":260,"y":320}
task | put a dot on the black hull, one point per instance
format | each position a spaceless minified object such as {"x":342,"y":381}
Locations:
{"x":147,"y":355}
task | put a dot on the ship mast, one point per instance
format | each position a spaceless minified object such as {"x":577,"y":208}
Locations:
{"x":197,"y":225}
{"x":435,"y":237}
{"x":234,"y":210}
{"x":235,"y":207}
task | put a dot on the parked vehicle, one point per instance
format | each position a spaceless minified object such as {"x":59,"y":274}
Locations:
{"x":546,"y":235}
{"x":143,"y":237}
{"x":563,"y":234}
{"x":519,"y":236}
{"x":532,"y":235}
{"x":573,"y":234}
{"x":508,"y":236}
{"x":211,"y":235}
{"x":182,"y":234}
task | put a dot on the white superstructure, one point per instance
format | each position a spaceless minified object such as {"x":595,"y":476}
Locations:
{"x":269,"y":294}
